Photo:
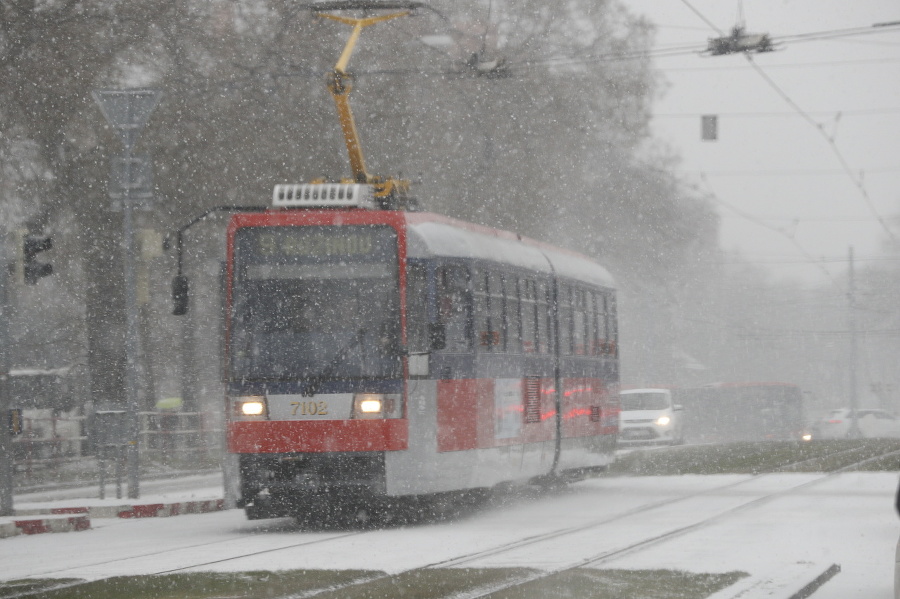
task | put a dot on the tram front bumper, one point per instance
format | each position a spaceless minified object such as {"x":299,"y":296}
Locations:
{"x":274,"y":485}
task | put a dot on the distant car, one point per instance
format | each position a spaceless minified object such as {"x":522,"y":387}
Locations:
{"x":871,"y":422}
{"x":649,"y":416}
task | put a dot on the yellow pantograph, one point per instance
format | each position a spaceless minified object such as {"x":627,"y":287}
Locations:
{"x":340,"y":83}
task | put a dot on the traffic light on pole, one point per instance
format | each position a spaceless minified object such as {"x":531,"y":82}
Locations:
{"x":32,"y":270}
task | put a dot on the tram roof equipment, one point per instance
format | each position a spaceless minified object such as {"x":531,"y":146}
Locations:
{"x":389,"y":191}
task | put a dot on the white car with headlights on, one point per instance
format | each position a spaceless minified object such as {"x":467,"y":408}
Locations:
{"x":650,"y":417}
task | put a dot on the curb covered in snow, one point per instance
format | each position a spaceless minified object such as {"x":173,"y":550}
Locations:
{"x":170,"y":509}
{"x":78,"y":518}
{"x":147,"y":510}
{"x":47,"y":523}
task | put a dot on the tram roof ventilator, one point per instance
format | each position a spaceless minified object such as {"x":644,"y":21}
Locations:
{"x":338,"y":195}
{"x":324,"y":195}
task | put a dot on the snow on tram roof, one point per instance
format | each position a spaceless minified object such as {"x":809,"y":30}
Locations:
{"x":434,"y":235}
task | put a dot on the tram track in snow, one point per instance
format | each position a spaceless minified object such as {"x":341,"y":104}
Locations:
{"x":643,"y":544}
{"x":609,"y":555}
{"x":639,"y":510}
{"x":75,"y":584}
{"x":501,"y":549}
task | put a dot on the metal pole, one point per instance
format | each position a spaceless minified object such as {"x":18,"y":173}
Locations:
{"x":854,"y":432}
{"x":132,"y":340}
{"x":128,"y":111}
{"x":6,"y":448}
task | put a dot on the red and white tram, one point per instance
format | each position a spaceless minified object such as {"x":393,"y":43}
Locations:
{"x":376,"y":354}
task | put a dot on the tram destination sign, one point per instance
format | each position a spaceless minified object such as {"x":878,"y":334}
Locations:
{"x":315,"y":243}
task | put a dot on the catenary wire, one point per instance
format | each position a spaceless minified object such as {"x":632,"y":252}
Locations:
{"x":857,"y":182}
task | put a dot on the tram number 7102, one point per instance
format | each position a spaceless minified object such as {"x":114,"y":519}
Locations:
{"x":309,"y":408}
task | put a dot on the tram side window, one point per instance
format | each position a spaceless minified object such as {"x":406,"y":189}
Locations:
{"x":579,"y":322}
{"x":416,"y":299}
{"x":608,"y":331}
{"x":543,"y":299}
{"x":514,"y":313}
{"x":498,"y":311}
{"x":529,"y":316}
{"x":454,"y":307}
{"x":613,"y":326}
{"x":565,"y":320}
{"x":484,"y":336}
{"x":596,"y":323}
{"x":602,"y":322}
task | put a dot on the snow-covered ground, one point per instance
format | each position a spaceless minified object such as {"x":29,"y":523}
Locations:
{"x":782,"y":527}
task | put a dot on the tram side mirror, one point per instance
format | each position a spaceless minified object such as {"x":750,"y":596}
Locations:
{"x":437,"y":335}
{"x":180,"y":295}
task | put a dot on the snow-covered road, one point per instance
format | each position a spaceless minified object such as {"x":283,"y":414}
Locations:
{"x":781,"y":528}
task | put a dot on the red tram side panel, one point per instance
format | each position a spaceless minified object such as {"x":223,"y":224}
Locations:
{"x":405,"y":396}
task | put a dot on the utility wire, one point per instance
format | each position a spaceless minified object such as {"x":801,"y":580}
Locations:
{"x":785,"y":65}
{"x":703,"y":17}
{"x":682,"y":50}
{"x":525,"y":64}
{"x":769,"y":114}
{"x":831,"y":143}
{"x":819,"y":261}
{"x":809,"y":257}
{"x":857,"y":181}
{"x":794,"y":172}
{"x":835,"y":219}
{"x":834,"y":33}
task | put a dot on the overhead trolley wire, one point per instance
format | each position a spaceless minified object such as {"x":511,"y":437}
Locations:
{"x":836,"y":33}
{"x":857,"y":182}
{"x":687,"y":49}
{"x":809,"y":257}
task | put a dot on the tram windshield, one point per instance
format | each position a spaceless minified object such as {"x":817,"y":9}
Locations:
{"x":315,"y":302}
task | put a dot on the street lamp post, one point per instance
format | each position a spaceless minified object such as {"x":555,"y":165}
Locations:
{"x":128,"y":111}
{"x":6,"y":449}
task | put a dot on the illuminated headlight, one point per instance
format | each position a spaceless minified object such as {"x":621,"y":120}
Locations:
{"x":368,"y":405}
{"x":663,"y":420}
{"x":253,"y":406}
{"x":374,"y":405}
{"x":806,"y":437}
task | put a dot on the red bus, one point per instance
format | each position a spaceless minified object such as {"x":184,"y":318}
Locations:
{"x":724,"y":412}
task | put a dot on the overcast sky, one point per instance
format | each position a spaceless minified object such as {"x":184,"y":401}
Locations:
{"x":781,"y":177}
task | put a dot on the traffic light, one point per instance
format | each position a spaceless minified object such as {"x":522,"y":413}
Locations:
{"x":32,"y":270}
{"x":180,"y":295}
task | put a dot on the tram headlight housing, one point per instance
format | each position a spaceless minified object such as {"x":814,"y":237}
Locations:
{"x":371,"y":406}
{"x":250,"y":407}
